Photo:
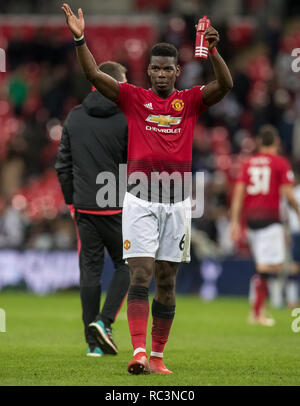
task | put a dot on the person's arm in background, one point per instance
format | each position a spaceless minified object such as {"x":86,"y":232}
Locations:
{"x":287,"y":192}
{"x":64,"y":169}
{"x":106,"y":85}
{"x":217,"y":89}
{"x":236,"y":210}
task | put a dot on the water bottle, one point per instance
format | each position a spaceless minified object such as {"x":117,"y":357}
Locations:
{"x":201,"y":45}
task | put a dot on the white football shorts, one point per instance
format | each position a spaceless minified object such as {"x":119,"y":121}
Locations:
{"x":267,"y":244}
{"x":158,"y":230}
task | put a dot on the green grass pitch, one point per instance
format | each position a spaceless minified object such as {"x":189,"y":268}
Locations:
{"x":210,"y":344}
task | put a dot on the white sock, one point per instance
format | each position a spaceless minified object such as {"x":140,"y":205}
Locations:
{"x":156,"y":354}
{"x":137,"y":350}
{"x":276,"y":292}
{"x":292,"y":293}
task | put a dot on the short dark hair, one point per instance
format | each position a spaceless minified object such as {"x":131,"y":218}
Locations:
{"x":267,"y":135}
{"x":113,"y":69}
{"x":164,"y":49}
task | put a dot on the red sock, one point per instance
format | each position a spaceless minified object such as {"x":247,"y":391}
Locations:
{"x":161,"y":325}
{"x":261,"y":292}
{"x":137,"y":315}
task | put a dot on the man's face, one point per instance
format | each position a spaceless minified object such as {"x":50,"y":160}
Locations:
{"x":163,"y":73}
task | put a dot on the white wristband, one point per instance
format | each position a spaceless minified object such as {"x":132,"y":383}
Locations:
{"x":79,"y":39}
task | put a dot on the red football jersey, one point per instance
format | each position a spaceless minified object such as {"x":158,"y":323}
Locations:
{"x":263,"y":174}
{"x":160,"y":131}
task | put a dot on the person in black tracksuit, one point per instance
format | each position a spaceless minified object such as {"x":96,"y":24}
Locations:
{"x":94,"y":140}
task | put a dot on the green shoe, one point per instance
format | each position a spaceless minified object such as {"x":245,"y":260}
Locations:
{"x":104,"y":337}
{"x":94,"y":351}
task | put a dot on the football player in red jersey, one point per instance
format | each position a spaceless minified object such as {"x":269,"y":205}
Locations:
{"x":264,"y":178}
{"x":156,"y":230}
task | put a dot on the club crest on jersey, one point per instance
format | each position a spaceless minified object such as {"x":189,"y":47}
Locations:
{"x":177,"y":104}
{"x":163,"y":121}
{"x":127,"y":244}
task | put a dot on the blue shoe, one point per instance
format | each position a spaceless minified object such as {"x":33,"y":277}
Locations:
{"x":104,"y":336}
{"x":94,"y":351}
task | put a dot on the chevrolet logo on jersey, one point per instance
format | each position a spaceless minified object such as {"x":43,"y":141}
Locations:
{"x":163,"y":121}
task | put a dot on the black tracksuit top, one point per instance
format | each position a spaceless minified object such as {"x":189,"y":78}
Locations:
{"x":94,"y":139}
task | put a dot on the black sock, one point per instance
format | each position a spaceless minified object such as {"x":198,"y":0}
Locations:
{"x":138,"y":292}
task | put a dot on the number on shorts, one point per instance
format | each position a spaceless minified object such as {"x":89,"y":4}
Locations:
{"x":260,"y":180}
{"x":182,"y":242}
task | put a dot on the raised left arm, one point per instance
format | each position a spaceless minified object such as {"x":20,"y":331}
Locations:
{"x":217,"y":89}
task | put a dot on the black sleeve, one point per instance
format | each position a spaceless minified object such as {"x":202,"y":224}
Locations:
{"x":64,"y":166}
{"x":126,"y":146}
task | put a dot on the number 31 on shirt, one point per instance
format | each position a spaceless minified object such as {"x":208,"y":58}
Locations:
{"x":259,"y":180}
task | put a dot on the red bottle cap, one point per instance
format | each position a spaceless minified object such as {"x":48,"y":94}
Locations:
{"x":203,"y":23}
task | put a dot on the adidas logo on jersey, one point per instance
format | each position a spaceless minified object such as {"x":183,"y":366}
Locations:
{"x":149,"y":106}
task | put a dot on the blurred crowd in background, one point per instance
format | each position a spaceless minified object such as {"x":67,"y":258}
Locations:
{"x":43,"y":82}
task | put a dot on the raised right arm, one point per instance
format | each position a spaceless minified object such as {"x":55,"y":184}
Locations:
{"x":106,"y":85}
